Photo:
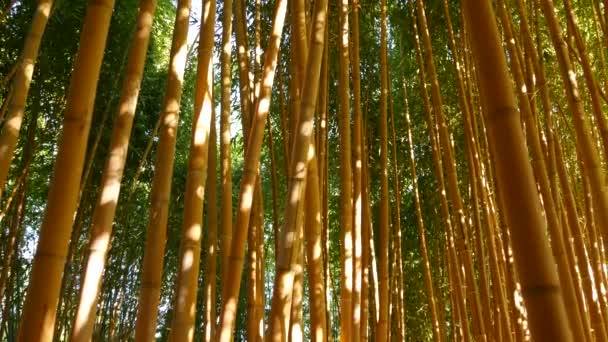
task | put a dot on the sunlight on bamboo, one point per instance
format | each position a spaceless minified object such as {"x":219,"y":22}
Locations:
{"x":414,"y":174}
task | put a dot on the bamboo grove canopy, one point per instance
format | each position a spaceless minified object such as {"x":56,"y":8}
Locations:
{"x":412,"y":170}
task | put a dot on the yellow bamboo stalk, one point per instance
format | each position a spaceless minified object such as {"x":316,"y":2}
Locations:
{"x":184,"y":308}
{"x":534,"y":262}
{"x":366,"y":240}
{"x":255,"y":291}
{"x":346,"y":211}
{"x":299,"y":55}
{"x":39,"y":311}
{"x":382,"y":329}
{"x":209,"y":289}
{"x":145,"y":325}
{"x":105,"y":209}
{"x":225,"y":136}
{"x":20,"y":88}
{"x":37,"y":321}
{"x":357,"y":176}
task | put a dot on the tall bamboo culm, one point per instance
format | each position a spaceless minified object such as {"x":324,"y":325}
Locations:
{"x":105,"y":208}
{"x":21,"y":87}
{"x":383,"y":326}
{"x":535,"y":264}
{"x":38,"y":318}
{"x":149,"y":295}
{"x":345,"y":174}
{"x":225,"y":136}
{"x":186,"y":291}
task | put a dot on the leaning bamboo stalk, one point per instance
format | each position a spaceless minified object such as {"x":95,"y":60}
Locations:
{"x":184,"y":310}
{"x":595,"y":240}
{"x":21,"y":87}
{"x":536,"y":269}
{"x":80,"y":213}
{"x":498,"y":310}
{"x":471,"y":160}
{"x":105,"y":209}
{"x":145,"y":326}
{"x":38,"y":318}
{"x":231,"y":285}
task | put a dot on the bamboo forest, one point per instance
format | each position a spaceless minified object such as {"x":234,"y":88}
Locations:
{"x":304,"y":170}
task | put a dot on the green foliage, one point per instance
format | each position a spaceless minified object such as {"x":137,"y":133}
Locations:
{"x":46,"y":105}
